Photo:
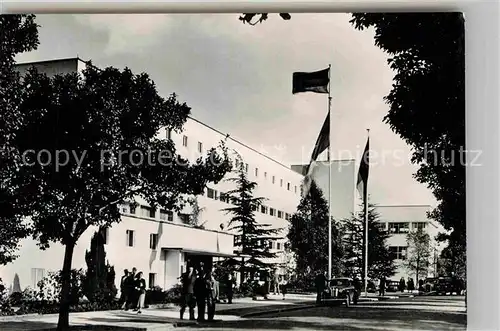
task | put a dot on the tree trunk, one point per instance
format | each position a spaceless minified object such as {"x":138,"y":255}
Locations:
{"x":63,"y":322}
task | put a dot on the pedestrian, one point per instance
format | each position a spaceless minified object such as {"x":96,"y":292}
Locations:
{"x":188,"y":280}
{"x":320,"y":284}
{"x":357,"y":289}
{"x":200,"y":293}
{"x":140,"y":287}
{"x":267,"y":285}
{"x":212,"y":294}
{"x":402,"y":285}
{"x":284,"y":285}
{"x":420,"y":285}
{"x":411,"y":285}
{"x":276,"y":282}
{"x":124,"y":290}
{"x":381,"y":289}
{"x":131,"y":293}
{"x":229,"y":288}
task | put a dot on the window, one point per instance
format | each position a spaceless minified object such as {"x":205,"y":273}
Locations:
{"x":132,"y":208}
{"x":200,"y":147}
{"x":280,"y":214}
{"x":265,"y":174}
{"x":295,"y":189}
{"x":124,"y":209}
{"x":272,"y":211}
{"x":419,"y":225}
{"x":224,"y":197}
{"x":105,"y":234}
{"x":281,"y":182}
{"x":130,"y":238}
{"x":211,"y":193}
{"x":273,"y":180}
{"x":152,"y":280}
{"x":148,"y":212}
{"x":246,"y":168}
{"x":168,"y":133}
{"x":380,"y":225}
{"x":278,"y":246}
{"x":287,"y":216}
{"x":263,"y":209}
{"x":288,"y":186}
{"x":398,"y":252}
{"x":37,"y":275}
{"x":256,"y":172}
{"x":153,"y":240}
{"x":400,"y":227}
{"x":236,"y":240}
{"x":184,"y":141}
{"x":254,"y":208}
{"x":166,"y":215}
{"x":184,"y":218}
{"x":270,"y":243}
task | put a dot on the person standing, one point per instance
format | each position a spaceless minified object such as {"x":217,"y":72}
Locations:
{"x":276,"y":282}
{"x":131,"y":293}
{"x":320,"y":284}
{"x":200,"y":293}
{"x":140,"y":287}
{"x":284,"y":285}
{"x":124,"y":289}
{"x":212,"y":294}
{"x":229,"y":288}
{"x":381,"y":289}
{"x":188,"y":280}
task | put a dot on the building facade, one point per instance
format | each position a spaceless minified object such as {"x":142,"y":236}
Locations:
{"x":160,"y":242}
{"x":398,"y":220}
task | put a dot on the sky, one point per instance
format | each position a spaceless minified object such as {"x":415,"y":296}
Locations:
{"x":237,"y":78}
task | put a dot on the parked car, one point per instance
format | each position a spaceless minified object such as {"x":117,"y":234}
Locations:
{"x":450,"y":285}
{"x":391,"y":286}
{"x":340,"y":290}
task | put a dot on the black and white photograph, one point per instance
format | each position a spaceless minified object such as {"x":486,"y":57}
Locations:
{"x":239,"y":171}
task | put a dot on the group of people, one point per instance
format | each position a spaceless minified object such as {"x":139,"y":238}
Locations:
{"x":199,"y":289}
{"x":133,"y":290}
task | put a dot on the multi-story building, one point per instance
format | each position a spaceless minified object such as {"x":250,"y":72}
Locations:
{"x":159,"y":242}
{"x":398,"y":220}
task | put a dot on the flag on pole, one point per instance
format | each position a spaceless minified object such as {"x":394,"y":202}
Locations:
{"x":316,"y":81}
{"x":364,"y":168}
{"x":322,"y":143}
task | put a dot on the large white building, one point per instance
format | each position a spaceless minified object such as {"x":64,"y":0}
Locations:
{"x":159,"y":242}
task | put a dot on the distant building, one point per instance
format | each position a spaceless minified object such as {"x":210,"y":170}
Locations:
{"x":398,"y":220}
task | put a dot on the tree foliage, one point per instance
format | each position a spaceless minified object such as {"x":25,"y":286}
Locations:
{"x":308,"y":237}
{"x":18,"y":34}
{"x":195,"y":217}
{"x":106,"y":122}
{"x":251,"y":235}
{"x":99,"y":282}
{"x":380,"y":260}
{"x":418,"y":253}
{"x":426,"y":51}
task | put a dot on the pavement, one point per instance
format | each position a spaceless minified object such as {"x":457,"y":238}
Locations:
{"x":241,"y":312}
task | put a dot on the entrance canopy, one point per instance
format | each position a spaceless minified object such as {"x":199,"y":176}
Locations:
{"x":199,"y":252}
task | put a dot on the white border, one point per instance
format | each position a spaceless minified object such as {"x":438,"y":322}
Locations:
{"x":482,"y":73}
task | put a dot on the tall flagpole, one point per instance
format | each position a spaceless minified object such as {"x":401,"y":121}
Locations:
{"x":329,"y":181}
{"x":365,"y":213}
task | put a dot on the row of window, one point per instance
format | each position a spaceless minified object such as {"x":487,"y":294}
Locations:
{"x":216,"y":195}
{"x":273,"y":244}
{"x":404,"y":227}
{"x":256,"y":170}
{"x":145,"y":211}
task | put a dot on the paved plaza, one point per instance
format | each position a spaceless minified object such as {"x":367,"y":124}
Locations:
{"x":295,"y":313}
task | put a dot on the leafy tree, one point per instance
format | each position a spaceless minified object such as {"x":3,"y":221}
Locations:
{"x":308,"y":236}
{"x":250,"y":233}
{"x":380,"y":260}
{"x":418,"y":253}
{"x":99,"y":283}
{"x":18,"y":34}
{"x":427,"y":54}
{"x":452,"y":259}
{"x":108,"y":122}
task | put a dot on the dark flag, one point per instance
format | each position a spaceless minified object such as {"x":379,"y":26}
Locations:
{"x":322,"y":143}
{"x":364,"y":167}
{"x":311,"y":81}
